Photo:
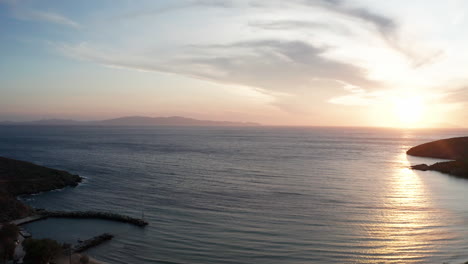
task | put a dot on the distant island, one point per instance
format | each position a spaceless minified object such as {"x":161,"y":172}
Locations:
{"x":134,"y":121}
{"x":454,"y":149}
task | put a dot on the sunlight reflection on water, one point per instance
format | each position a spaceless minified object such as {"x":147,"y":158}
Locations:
{"x":406,"y":230}
{"x":260,"y":195}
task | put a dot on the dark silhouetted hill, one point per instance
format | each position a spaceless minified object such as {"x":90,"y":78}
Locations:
{"x":452,"y":148}
{"x":19,"y":177}
{"x":455,"y":149}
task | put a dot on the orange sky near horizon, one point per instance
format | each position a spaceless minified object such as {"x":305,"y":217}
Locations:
{"x":353,"y":63}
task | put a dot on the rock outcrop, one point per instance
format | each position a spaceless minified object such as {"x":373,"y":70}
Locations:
{"x":455,"y":149}
{"x":451,"y":148}
{"x":455,"y":168}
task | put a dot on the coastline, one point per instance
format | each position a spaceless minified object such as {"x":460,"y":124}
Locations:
{"x":20,"y":178}
{"x":453,"y":149}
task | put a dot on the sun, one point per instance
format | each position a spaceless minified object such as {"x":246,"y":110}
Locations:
{"x":409,"y":111}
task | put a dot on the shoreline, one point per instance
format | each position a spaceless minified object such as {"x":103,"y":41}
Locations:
{"x":455,"y":150}
{"x":19,"y":179}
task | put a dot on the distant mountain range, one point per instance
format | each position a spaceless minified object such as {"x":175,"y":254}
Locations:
{"x":133,"y":121}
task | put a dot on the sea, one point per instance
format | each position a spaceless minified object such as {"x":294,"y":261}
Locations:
{"x":216,"y":195}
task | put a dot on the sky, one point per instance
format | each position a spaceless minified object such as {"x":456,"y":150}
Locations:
{"x":296,"y":62}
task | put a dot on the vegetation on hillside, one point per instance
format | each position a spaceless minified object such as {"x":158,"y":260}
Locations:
{"x":8,"y":242}
{"x":41,"y":251}
{"x":19,"y":177}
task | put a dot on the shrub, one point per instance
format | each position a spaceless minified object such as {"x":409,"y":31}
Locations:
{"x":8,"y":236}
{"x":84,"y":259}
{"x":40,"y":251}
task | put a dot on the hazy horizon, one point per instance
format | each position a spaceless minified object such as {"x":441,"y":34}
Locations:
{"x":236,"y":123}
{"x":296,"y":63}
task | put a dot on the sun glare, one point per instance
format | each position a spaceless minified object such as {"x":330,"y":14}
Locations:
{"x":409,"y":111}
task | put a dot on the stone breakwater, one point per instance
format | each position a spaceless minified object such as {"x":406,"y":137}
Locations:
{"x":92,"y":242}
{"x":95,"y":215}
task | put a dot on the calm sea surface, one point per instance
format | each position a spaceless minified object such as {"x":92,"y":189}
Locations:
{"x":251,"y":195}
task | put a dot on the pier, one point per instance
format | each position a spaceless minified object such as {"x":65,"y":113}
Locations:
{"x":28,"y":219}
{"x":42,"y":214}
{"x":92,"y":242}
{"x":95,"y":215}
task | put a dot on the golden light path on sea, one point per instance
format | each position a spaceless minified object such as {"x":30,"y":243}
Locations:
{"x":407,"y":225}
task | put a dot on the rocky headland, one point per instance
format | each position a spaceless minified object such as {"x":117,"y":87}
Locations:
{"x":20,"y":177}
{"x":454,"y":149}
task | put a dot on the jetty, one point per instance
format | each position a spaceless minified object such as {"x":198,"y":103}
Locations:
{"x":28,"y":219}
{"x":42,"y":214}
{"x":93,"y":215}
{"x":92,"y":242}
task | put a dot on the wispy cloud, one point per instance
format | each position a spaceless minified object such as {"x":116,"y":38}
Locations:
{"x":47,"y":16}
{"x":280,"y":61}
{"x":298,"y":25}
{"x":382,"y":23}
{"x":457,"y":96}
{"x":24,"y":12}
{"x":356,"y":97}
{"x":276,"y":68}
{"x":175,"y":6}
{"x":384,"y":26}
{"x":269,"y":64}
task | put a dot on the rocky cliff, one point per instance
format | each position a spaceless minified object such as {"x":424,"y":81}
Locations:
{"x":455,"y":149}
{"x":451,"y":148}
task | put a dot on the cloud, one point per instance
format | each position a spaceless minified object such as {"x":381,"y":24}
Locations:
{"x":357,"y":97}
{"x":47,"y":17}
{"x":268,"y":64}
{"x":382,"y":23}
{"x":457,"y":96}
{"x":282,"y":65}
{"x":108,"y":57}
{"x":386,"y":27}
{"x":277,"y":68}
{"x":23,"y":12}
{"x":298,"y":25}
{"x":175,"y":6}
